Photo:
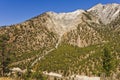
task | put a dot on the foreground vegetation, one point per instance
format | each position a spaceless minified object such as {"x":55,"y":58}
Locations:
{"x":69,"y":60}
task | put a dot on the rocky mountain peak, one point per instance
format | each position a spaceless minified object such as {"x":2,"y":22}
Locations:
{"x":64,"y":22}
{"x":68,"y":15}
{"x":106,"y":13}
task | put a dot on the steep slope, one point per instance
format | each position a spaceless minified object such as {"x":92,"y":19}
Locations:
{"x":34,"y":37}
{"x":67,"y":43}
{"x":70,"y":60}
{"x":84,"y":34}
{"x":29,"y":40}
{"x":30,"y":35}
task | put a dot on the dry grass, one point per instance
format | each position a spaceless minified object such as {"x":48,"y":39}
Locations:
{"x":6,"y":78}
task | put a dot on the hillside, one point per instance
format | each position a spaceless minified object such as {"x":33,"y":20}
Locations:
{"x":73,"y":43}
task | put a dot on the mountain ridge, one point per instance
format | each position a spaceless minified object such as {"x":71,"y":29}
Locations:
{"x":48,"y":41}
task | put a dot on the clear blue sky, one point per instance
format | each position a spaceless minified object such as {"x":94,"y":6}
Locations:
{"x":16,"y":11}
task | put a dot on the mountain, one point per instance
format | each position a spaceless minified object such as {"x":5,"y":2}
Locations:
{"x":67,"y":43}
{"x":106,"y":13}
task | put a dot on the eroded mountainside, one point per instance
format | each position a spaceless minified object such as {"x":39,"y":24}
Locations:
{"x":66,"y":43}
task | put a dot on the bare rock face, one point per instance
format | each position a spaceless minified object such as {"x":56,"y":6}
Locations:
{"x":64,"y":22}
{"x":106,"y":13}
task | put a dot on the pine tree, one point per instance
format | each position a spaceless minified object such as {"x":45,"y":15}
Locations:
{"x":107,"y":61}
